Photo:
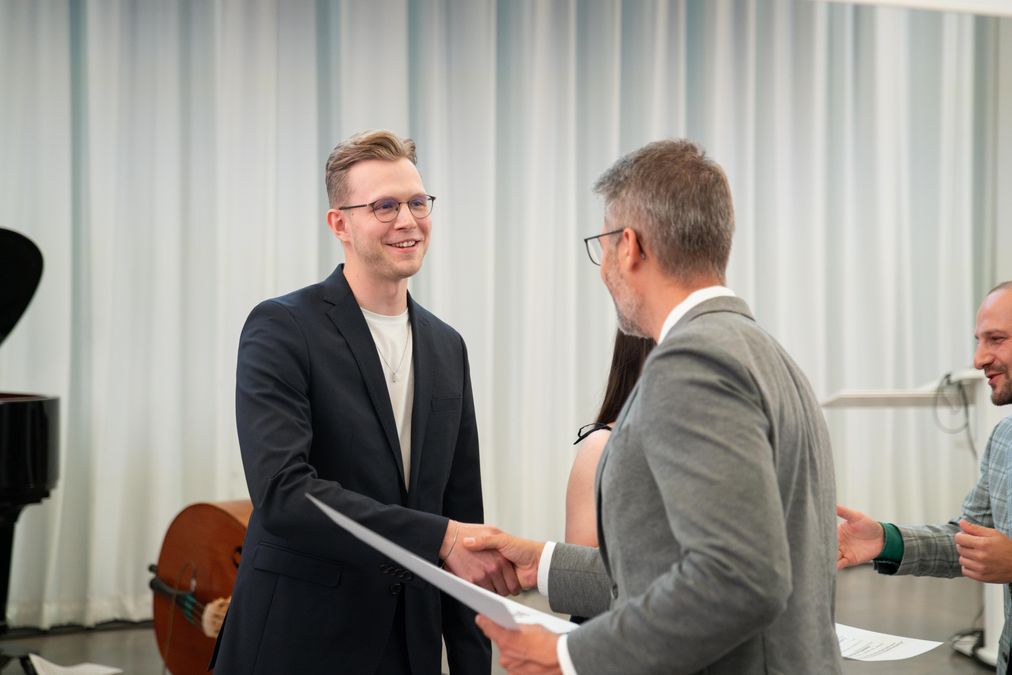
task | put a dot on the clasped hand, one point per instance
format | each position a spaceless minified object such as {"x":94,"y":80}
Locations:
{"x":482,"y":565}
{"x":985,"y":554}
{"x":531,"y":650}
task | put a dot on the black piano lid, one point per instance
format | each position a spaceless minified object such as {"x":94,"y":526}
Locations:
{"x":29,"y":423}
{"x":20,"y":271}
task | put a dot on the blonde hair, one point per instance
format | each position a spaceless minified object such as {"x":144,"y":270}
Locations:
{"x":377,"y":144}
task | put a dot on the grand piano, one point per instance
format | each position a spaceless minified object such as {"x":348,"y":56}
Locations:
{"x":29,"y":423}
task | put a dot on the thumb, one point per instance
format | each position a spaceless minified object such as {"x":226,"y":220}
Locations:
{"x":850,"y":515}
{"x":483,"y":543}
{"x":972,"y":528}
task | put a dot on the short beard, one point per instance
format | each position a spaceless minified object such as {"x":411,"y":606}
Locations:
{"x":627,"y":324}
{"x":627,"y":305}
{"x":373,"y":259}
{"x":1003,"y":395}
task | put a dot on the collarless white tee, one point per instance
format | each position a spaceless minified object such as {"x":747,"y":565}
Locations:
{"x":392,"y":336}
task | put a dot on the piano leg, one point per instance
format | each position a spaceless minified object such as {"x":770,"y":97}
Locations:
{"x":8,"y":516}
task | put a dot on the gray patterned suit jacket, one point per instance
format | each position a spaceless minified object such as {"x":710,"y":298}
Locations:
{"x":930,"y":550}
{"x":716,"y":518}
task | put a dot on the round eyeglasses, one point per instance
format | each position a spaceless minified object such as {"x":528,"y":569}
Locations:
{"x":386,"y":208}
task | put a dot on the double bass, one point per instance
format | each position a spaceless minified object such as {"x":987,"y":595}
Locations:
{"x":192,"y":582}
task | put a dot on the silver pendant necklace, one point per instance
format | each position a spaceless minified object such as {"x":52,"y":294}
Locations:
{"x":407,"y":340}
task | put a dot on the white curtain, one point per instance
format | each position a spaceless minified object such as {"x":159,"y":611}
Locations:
{"x":167,"y":158}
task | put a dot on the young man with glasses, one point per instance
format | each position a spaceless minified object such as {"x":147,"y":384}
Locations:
{"x":353,"y":392}
{"x":716,"y":490}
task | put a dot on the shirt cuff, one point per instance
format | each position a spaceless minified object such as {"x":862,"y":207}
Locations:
{"x":562,"y":652}
{"x":889,"y":559}
{"x":892,"y":549}
{"x":544,"y":566}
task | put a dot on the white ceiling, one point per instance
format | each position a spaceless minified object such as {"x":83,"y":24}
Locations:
{"x":992,"y":7}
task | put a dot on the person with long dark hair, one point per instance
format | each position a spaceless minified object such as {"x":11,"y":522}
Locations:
{"x":626,"y":363}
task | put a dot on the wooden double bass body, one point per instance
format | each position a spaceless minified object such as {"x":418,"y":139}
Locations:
{"x":193,"y":581}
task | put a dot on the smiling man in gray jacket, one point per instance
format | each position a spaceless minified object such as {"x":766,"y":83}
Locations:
{"x":716,"y":491}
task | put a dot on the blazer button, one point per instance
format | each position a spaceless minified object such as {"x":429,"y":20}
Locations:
{"x":395,"y":589}
{"x":614,"y":591}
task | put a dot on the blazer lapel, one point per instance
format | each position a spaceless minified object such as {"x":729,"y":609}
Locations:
{"x":349,"y":321}
{"x":719,"y":304}
{"x":422,"y":357}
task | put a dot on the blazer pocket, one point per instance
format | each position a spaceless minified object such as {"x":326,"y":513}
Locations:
{"x":271,"y":558}
{"x":445,"y":403}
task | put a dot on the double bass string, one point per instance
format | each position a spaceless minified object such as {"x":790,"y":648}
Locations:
{"x":186,"y":600}
{"x":209,"y":537}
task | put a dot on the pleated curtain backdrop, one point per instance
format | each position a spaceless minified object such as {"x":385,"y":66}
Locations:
{"x":167,"y":157}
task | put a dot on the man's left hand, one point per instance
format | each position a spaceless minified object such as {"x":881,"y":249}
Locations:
{"x":985,"y":554}
{"x":527,"y":651}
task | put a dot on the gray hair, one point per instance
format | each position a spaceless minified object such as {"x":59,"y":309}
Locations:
{"x":681,"y":203}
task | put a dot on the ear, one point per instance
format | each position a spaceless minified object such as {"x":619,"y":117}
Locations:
{"x":337,"y":221}
{"x":633,"y":255}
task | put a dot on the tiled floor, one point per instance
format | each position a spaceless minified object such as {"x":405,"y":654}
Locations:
{"x":933,"y":609}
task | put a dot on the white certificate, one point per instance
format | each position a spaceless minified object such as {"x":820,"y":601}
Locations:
{"x":866,"y":645}
{"x":503,"y":611}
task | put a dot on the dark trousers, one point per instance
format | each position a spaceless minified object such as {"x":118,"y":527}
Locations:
{"x":395,"y":655}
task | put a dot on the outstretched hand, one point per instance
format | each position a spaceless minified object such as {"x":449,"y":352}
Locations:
{"x":525,"y":554}
{"x":985,"y":554}
{"x":530,"y":650}
{"x":859,"y":538}
{"x":488,"y":569}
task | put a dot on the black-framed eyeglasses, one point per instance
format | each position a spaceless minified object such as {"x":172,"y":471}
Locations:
{"x":593,"y":245}
{"x":386,"y":208}
{"x":588,"y":429}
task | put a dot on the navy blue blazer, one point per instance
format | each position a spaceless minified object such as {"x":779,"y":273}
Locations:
{"x":313,"y":415}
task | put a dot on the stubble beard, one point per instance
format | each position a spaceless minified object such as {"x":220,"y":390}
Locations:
{"x":373,"y":257}
{"x":628,"y":307}
{"x":1002,"y":395}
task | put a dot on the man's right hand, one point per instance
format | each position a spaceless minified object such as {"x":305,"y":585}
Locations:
{"x":525,"y":554}
{"x":487,"y":569}
{"x":859,"y":538}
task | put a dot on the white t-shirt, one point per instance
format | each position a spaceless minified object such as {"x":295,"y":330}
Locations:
{"x":392,"y":335}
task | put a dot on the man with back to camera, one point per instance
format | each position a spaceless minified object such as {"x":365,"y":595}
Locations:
{"x":977,"y":544}
{"x":351,"y":391}
{"x":716,"y":489}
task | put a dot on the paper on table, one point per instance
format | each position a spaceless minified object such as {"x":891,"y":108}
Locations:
{"x":866,"y":645}
{"x":43,"y":667}
{"x":503,"y":611}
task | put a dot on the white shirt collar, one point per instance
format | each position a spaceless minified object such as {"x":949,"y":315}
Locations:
{"x":693,"y":299}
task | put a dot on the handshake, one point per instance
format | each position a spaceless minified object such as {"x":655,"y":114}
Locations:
{"x":490,"y":558}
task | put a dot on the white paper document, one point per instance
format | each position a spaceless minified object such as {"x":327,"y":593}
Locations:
{"x":503,"y":611}
{"x":866,"y":645}
{"x":43,"y":667}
